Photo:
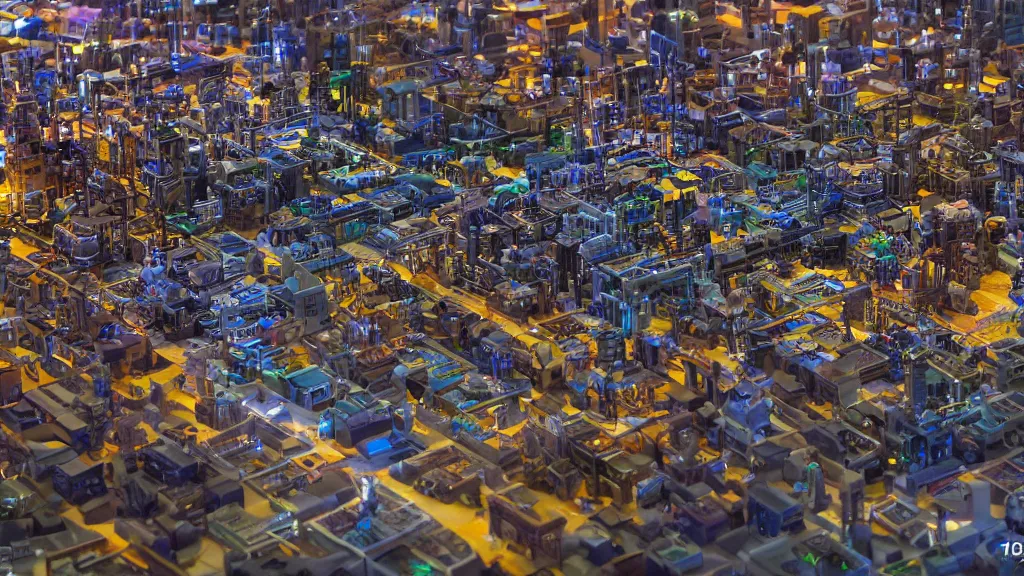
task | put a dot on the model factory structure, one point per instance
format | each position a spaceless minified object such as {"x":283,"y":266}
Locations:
{"x":475,"y":287}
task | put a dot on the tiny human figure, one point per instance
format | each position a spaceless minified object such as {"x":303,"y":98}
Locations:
{"x":369,"y":502}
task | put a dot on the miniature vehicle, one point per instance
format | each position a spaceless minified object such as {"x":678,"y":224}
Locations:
{"x":310,"y":388}
{"x":350,"y":424}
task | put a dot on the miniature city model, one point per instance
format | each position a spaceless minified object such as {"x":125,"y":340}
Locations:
{"x":475,"y":287}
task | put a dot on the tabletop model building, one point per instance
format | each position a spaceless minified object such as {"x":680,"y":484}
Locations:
{"x":468,"y":287}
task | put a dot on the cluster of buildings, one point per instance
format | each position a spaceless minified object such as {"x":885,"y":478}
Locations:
{"x":460,"y":288}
